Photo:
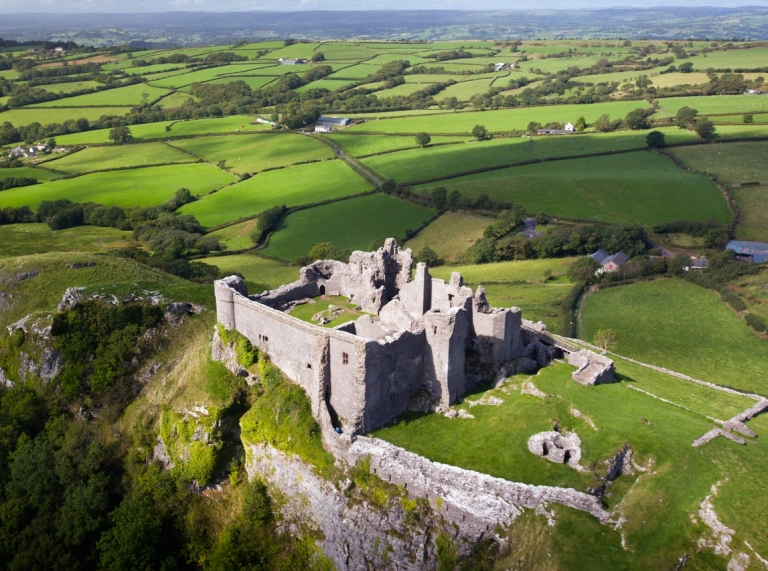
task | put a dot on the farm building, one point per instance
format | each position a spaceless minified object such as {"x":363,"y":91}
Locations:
{"x":609,"y":263}
{"x":328,"y":124}
{"x":298,"y":61}
{"x":749,"y":251}
{"x":567,"y":130}
{"x":499,"y":67}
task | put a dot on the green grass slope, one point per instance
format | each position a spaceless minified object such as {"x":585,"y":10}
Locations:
{"x":678,"y":325}
{"x":119,"y":156}
{"x":640,"y":187}
{"x":302,"y":184}
{"x":350,"y":224}
{"x":139,"y":187}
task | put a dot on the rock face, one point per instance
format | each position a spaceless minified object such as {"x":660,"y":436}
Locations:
{"x":224,"y":353}
{"x":354,"y":535}
{"x":556,"y":447}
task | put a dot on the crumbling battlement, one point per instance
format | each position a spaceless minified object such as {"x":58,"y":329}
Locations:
{"x":415,"y":337}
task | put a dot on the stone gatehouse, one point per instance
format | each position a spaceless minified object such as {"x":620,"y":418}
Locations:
{"x":420,"y":339}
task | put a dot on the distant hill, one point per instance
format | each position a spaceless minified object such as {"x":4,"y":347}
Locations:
{"x":195,"y":28}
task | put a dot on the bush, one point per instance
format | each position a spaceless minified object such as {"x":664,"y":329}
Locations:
{"x":755,"y":322}
{"x":704,"y":128}
{"x":423,"y":139}
{"x":268,"y":222}
{"x":428,"y":256}
{"x":583,"y":269}
{"x":655,"y":140}
{"x":439,"y":197}
{"x":480,"y":133}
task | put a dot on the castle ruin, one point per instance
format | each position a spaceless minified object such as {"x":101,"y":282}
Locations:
{"x":420,"y":340}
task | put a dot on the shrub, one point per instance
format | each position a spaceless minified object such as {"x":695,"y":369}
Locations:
{"x":755,"y":322}
{"x":268,"y":222}
{"x":704,"y":128}
{"x":480,"y":133}
{"x":583,"y":269}
{"x":749,"y":118}
{"x":686,"y":117}
{"x":423,"y":139}
{"x":428,"y":256}
{"x":655,"y":140}
{"x":439,"y":197}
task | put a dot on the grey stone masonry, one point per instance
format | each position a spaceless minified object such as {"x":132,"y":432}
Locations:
{"x":414,"y":338}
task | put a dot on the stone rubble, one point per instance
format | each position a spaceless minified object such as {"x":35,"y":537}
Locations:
{"x":556,"y":447}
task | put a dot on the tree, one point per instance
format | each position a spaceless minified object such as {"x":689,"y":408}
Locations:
{"x":655,"y":140}
{"x":749,"y":118}
{"x":439,"y":197}
{"x":643,"y":82}
{"x":480,"y":133}
{"x":604,"y":124}
{"x":580,"y":124}
{"x":605,"y":339}
{"x":678,"y":264}
{"x":318,"y":57}
{"x":388,"y":186}
{"x":704,"y":128}
{"x":686,"y":67}
{"x":428,"y":256}
{"x":423,"y":139}
{"x":533,"y":126}
{"x":120,"y":134}
{"x":542,"y":218}
{"x":637,"y":119}
{"x":453,"y":199}
{"x":685,"y":117}
{"x":583,"y":269}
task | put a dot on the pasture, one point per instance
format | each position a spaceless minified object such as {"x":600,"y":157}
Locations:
{"x":500,"y":120}
{"x":236,"y":236}
{"x":160,"y":130}
{"x":70,"y":87}
{"x":364,"y":145}
{"x":464,"y":90}
{"x":732,"y":163}
{"x":129,"y":96}
{"x":259,"y":273}
{"x":26,"y":239}
{"x":450,"y":235}
{"x":350,"y":224}
{"x":678,"y":325}
{"x":294,"y":186}
{"x":325,"y":83}
{"x":713,"y":104}
{"x":176,"y":99}
{"x":358,"y":71}
{"x":639,"y":187}
{"x":119,"y":156}
{"x":252,"y":153}
{"x":144,"y":187}
{"x":529,"y":271}
{"x":40,"y":174}
{"x":751,"y":58}
{"x":252,"y":81}
{"x":26,"y":115}
{"x":422,"y":164}
{"x":551,"y":146}
{"x":402,"y":90}
{"x":753,"y":201}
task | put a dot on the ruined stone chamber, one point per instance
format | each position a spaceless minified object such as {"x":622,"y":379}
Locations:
{"x":417,"y":338}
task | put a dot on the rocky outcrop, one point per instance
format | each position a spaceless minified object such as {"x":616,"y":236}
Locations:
{"x":352,"y":532}
{"x":475,"y":502}
{"x":226,"y":355}
{"x":71,"y":298}
{"x":556,"y":447}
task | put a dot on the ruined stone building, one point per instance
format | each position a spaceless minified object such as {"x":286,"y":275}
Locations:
{"x":421,"y":339}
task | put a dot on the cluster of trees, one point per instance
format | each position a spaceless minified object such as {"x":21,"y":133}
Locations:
{"x":268,"y":222}
{"x":715,"y":234}
{"x":12,"y":215}
{"x":324,"y":251}
{"x":13,"y":182}
{"x":501,"y":243}
{"x":687,"y":118}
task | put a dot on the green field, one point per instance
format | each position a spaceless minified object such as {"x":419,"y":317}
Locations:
{"x":402,"y":90}
{"x":302,"y":184}
{"x":364,"y":145}
{"x":176,"y":99}
{"x":233,"y":124}
{"x":70,"y":87}
{"x":450,"y":235}
{"x":531,"y":271}
{"x":538,"y":302}
{"x":329,"y":84}
{"x":358,"y":71}
{"x":143,"y":187}
{"x":746,"y":59}
{"x":499,"y":121}
{"x":675,"y":324}
{"x":252,"y":153}
{"x":350,"y":224}
{"x":549,"y":146}
{"x":184,"y":79}
{"x":464,"y":90}
{"x":119,"y":156}
{"x":640,"y":187}
{"x":38,"y":173}
{"x":422,"y":164}
{"x":259,"y":273}
{"x":26,"y":239}
{"x":236,"y":236}
{"x":714,"y":104}
{"x":26,"y":115}
{"x":753,"y":201}
{"x":128,"y":96}
{"x":732,"y":163}
{"x":251,"y":81}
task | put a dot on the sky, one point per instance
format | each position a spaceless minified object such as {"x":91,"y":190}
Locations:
{"x":133,"y":6}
